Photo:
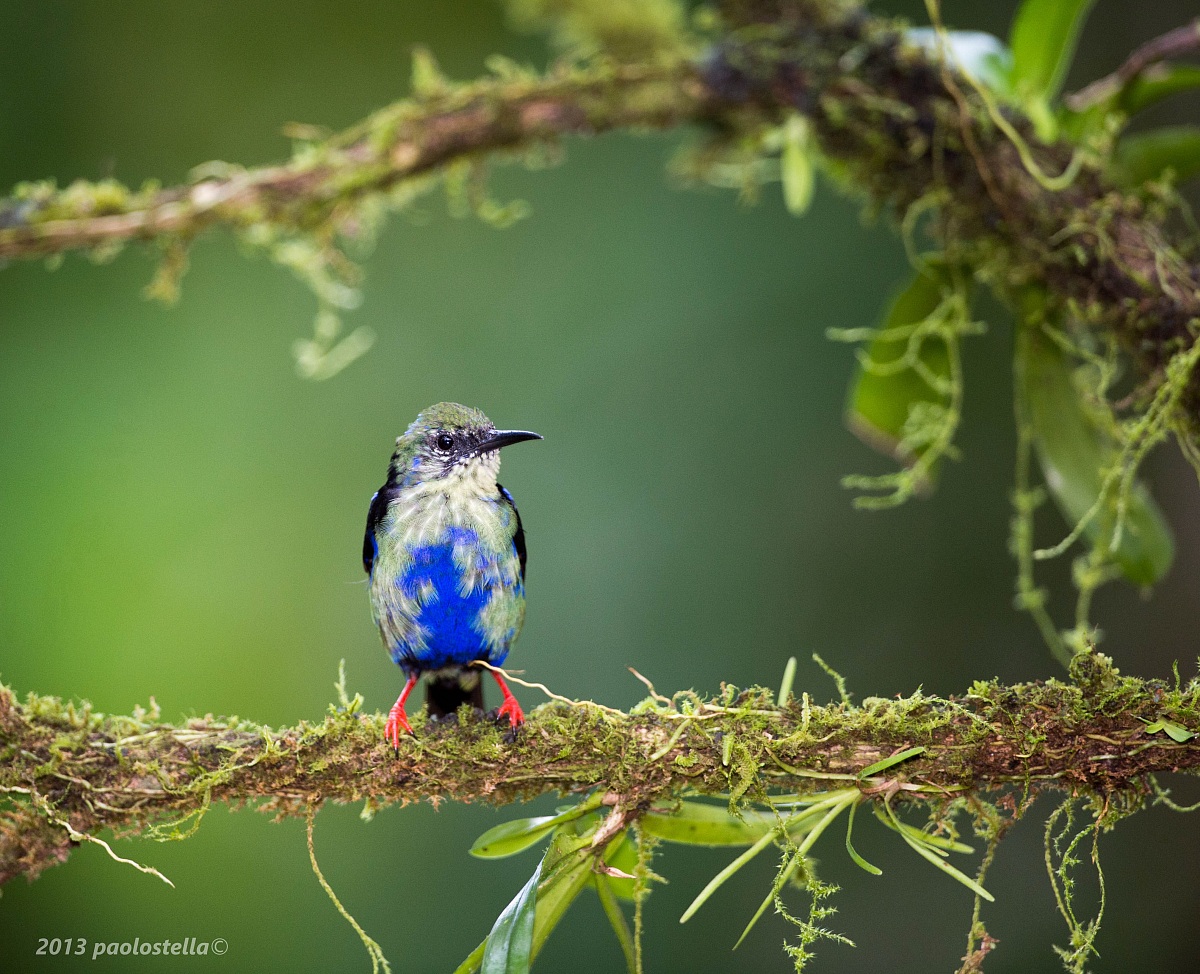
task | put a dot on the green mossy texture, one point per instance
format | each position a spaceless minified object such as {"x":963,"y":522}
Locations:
{"x":1090,"y":737}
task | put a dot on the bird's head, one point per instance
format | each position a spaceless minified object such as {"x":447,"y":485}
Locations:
{"x":451,"y":443}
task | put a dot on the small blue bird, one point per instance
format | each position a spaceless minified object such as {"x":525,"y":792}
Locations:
{"x":445,"y":559}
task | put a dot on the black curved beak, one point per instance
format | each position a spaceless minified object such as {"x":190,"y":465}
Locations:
{"x":502,"y":438}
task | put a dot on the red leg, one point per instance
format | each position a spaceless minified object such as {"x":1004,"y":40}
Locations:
{"x":510,"y":708}
{"x":397,"y":719}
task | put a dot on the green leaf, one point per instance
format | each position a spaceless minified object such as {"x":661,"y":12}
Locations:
{"x":937,"y":843}
{"x":858,"y":860}
{"x":616,"y":919}
{"x":796,"y":166}
{"x":567,"y":868}
{"x":1043,"y":40}
{"x":891,"y":762}
{"x":509,"y":946}
{"x":1075,"y":452}
{"x":1148,"y":155}
{"x":781,"y":880}
{"x":474,"y":959}
{"x":427,"y":78}
{"x":887,"y":393}
{"x":785,"y":687}
{"x":509,"y":838}
{"x":695,"y":823}
{"x":832,"y":808}
{"x":1156,"y":83}
{"x":716,"y":882}
{"x":949,"y":870}
{"x":1180,"y":735}
{"x":922,"y":849}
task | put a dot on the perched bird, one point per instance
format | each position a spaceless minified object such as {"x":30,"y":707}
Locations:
{"x":444,"y":554}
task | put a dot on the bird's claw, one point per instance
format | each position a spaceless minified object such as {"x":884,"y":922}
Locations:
{"x":397,"y":721}
{"x":512,"y":710}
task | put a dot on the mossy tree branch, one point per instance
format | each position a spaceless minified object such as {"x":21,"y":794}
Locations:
{"x":68,"y":772}
{"x":901,"y":129}
{"x":320,"y":188}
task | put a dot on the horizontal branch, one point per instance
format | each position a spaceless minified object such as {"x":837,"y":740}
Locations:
{"x":68,"y":772}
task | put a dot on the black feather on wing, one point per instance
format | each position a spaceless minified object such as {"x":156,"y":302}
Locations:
{"x":519,"y":537}
{"x":375,"y":513}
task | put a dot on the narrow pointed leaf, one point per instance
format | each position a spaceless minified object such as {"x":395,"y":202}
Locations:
{"x":1075,"y":452}
{"x":1044,"y":34}
{"x":949,"y":870}
{"x":509,"y":946}
{"x":888,"y":816}
{"x":858,"y":860}
{"x":695,"y":823}
{"x":715,"y":883}
{"x":563,"y":872}
{"x":781,"y":879}
{"x":509,"y":838}
{"x":895,"y":759}
{"x":785,"y":687}
{"x":1147,"y":156}
{"x":833,"y":808}
{"x":938,"y":844}
{"x":616,"y":919}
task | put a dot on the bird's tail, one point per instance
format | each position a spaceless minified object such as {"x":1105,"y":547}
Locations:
{"x":445,"y":693}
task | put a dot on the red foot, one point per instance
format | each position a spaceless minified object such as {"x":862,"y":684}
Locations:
{"x":510,"y":708}
{"x":398,"y":719}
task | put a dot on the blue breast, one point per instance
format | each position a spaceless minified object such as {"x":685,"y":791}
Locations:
{"x":448,"y":617}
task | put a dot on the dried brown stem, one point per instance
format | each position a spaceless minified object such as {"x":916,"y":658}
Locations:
{"x":1181,"y":40}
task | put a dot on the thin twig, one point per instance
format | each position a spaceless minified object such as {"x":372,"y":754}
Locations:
{"x":1181,"y":40}
{"x":507,"y":674}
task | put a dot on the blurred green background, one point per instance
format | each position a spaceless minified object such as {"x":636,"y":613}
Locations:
{"x":182,"y":515}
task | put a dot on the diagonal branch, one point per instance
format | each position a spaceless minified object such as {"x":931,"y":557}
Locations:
{"x":1181,"y":40}
{"x":69,"y":772}
{"x":323,"y":182}
{"x":901,"y":128}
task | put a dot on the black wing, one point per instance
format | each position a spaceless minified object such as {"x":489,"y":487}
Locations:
{"x":375,"y":513}
{"x":519,"y":537}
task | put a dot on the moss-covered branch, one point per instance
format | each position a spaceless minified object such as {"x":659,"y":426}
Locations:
{"x":891,"y":120}
{"x":321,"y":187}
{"x":67,"y":772}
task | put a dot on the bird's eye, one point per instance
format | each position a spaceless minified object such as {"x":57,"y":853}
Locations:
{"x":445,"y":441}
